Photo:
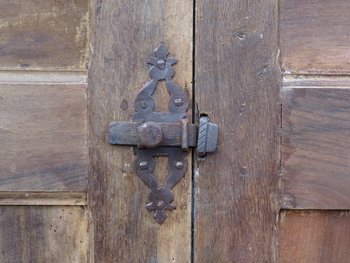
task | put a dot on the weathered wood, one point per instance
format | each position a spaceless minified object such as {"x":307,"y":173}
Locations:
{"x":316,"y":147}
{"x":315,"y":36}
{"x":314,"y":236}
{"x":43,"y":234}
{"x":126,"y":33}
{"x":37,"y":198}
{"x":320,"y":81}
{"x":44,"y":34}
{"x":237,"y":85}
{"x":42,"y":77}
{"x":43,"y":131}
{"x":43,"y":137}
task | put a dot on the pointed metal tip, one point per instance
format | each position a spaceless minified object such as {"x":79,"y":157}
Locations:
{"x":161,"y":51}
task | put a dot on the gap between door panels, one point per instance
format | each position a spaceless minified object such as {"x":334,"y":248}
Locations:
{"x":195,"y":111}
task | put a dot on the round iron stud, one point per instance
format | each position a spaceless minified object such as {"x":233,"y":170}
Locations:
{"x":143,"y":165}
{"x":178,"y":102}
{"x":179,"y":165}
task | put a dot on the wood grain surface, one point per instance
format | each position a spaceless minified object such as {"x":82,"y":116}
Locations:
{"x":314,"y":236}
{"x":49,"y":34}
{"x":43,"y":234}
{"x":43,"y":137}
{"x":315,"y":36}
{"x":46,"y":198}
{"x":237,"y":85}
{"x":43,"y":131}
{"x":316,"y":147}
{"x":126,"y":34}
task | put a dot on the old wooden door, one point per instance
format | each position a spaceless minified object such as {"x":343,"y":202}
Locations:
{"x":273,"y":74}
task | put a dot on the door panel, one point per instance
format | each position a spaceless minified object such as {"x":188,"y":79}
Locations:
{"x":315,"y":36}
{"x":126,"y":34}
{"x":237,"y":85}
{"x":315,"y":132}
{"x":314,"y":236}
{"x":316,"y":146}
{"x":43,"y":234}
{"x":43,"y":131}
{"x":43,"y":138}
{"x":44,"y":34}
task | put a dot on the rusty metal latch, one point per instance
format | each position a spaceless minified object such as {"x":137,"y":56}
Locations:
{"x":168,"y":134}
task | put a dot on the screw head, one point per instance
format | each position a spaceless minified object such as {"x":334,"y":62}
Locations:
{"x":179,"y":165}
{"x":143,"y":165}
{"x":178,"y":102}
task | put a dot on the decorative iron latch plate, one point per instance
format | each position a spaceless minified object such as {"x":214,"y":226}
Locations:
{"x":170,"y":134}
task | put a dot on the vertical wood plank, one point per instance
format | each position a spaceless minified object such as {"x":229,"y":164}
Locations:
{"x":237,"y":85}
{"x":126,"y":33}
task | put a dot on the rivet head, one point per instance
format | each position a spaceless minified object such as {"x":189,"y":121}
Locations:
{"x":179,"y":165}
{"x":143,"y":165}
{"x":143,"y":104}
{"x":160,"y":204}
{"x":178,"y":102}
{"x":161,"y":63}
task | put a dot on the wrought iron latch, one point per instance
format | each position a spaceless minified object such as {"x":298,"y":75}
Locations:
{"x":163,"y":134}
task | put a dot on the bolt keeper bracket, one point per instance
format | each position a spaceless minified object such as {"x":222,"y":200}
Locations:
{"x":170,"y":134}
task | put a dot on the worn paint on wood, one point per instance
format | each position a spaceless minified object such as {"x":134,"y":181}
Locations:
{"x":44,"y":34}
{"x":316,"y":146}
{"x":237,"y":85}
{"x":126,"y":34}
{"x":43,"y":137}
{"x":314,"y":236}
{"x":43,"y":234}
{"x":315,"y":36}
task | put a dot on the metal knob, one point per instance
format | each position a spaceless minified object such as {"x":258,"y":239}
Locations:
{"x":150,"y":134}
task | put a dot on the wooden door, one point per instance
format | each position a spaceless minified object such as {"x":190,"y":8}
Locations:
{"x":44,"y":48}
{"x":315,"y":172}
{"x":273,"y":74}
